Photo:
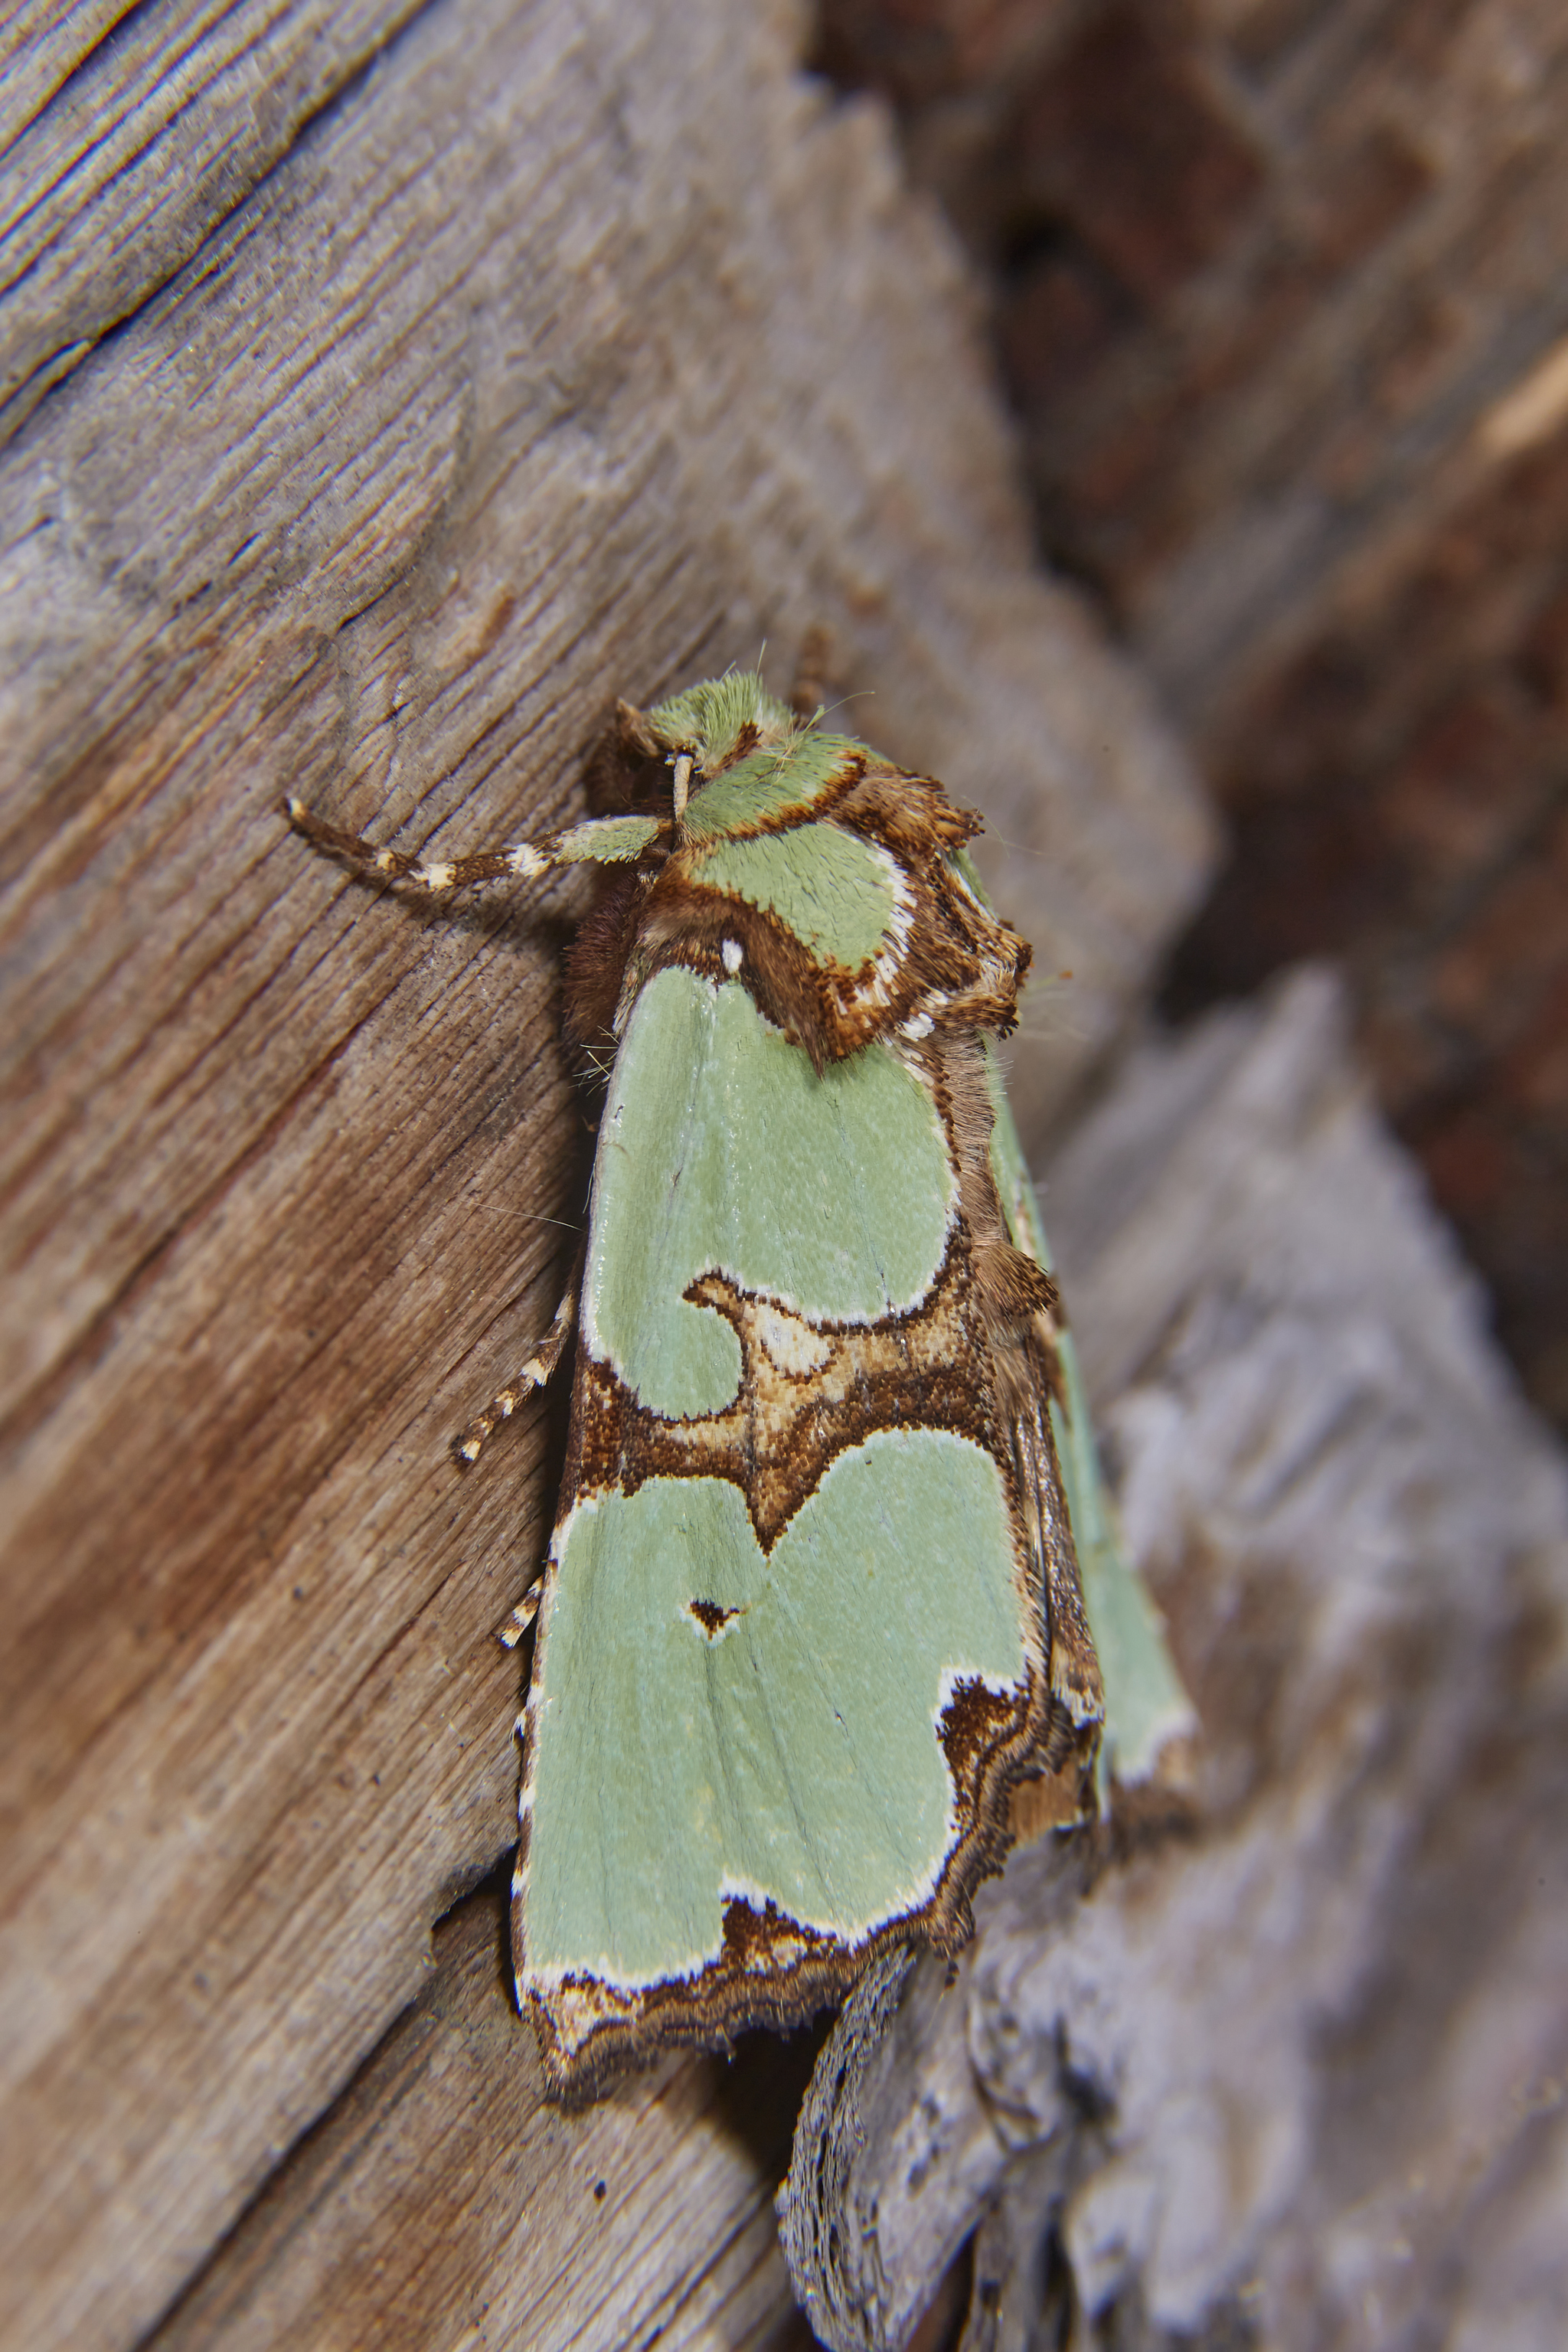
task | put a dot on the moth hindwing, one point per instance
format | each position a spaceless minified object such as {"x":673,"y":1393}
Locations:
{"x":811,"y":1607}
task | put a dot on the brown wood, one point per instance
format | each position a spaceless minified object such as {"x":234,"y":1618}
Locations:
{"x":565,"y":352}
{"x":442,"y":2201}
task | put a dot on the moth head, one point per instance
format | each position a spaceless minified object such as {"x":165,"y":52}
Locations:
{"x":722,"y":721}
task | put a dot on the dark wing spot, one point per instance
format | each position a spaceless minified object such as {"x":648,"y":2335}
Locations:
{"x":975,"y":1723}
{"x":756,"y":1941}
{"x":710,"y":1617}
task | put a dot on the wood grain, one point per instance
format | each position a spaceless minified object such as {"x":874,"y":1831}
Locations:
{"x":442,"y":2202}
{"x":569,"y":350}
{"x":163,"y":132}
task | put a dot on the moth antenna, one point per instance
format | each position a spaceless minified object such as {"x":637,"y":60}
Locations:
{"x":826,"y":709}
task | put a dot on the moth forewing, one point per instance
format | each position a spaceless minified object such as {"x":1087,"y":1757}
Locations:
{"x":811,"y":1607}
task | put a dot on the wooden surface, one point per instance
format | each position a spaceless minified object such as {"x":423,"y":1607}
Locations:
{"x":441,"y":2201}
{"x":1299,"y":2076}
{"x":163,"y":129}
{"x":366,"y":452}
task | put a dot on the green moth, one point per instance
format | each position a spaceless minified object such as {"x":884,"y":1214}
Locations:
{"x":812,"y":1608}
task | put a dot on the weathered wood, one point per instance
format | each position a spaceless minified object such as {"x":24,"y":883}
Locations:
{"x":442,"y":2202}
{"x":164,"y":132}
{"x":1299,"y":2077}
{"x":571,"y":350}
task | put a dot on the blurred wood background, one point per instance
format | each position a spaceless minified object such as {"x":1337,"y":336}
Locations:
{"x":1281,"y":303}
{"x":383,"y":391}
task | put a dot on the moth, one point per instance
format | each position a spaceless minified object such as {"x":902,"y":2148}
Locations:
{"x":811,"y":1609}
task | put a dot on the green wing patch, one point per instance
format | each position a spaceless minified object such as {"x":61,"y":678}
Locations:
{"x":720,"y":1150}
{"x":833,"y":890}
{"x":779,"y":1715}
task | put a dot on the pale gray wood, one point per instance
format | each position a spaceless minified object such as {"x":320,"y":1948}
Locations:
{"x":40,"y":49}
{"x":574,"y":351}
{"x":1304,"y":2074}
{"x":843,"y":2296}
{"x":166,"y":129}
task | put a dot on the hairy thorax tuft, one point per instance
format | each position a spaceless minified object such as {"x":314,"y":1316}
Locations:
{"x":722,"y":720}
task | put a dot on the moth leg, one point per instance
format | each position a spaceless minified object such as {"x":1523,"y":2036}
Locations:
{"x":598,"y":840}
{"x":510,"y":1634}
{"x":535,"y":1374}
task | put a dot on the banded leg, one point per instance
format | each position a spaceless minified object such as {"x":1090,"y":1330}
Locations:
{"x":535,"y":1374}
{"x":605,"y":840}
{"x":510,"y":1634}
